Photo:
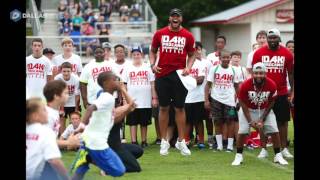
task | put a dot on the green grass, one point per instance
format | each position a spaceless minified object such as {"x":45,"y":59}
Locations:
{"x":202,"y":164}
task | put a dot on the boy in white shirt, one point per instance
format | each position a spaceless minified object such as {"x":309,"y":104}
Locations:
{"x":56,"y":93}
{"x":99,"y":118}
{"x":38,"y":70}
{"x":42,"y":153}
{"x":139,"y":81}
{"x":73,"y":102}
{"x":75,"y":127}
{"x":68,"y":56}
{"x":223,"y":94}
{"x":194,"y":103}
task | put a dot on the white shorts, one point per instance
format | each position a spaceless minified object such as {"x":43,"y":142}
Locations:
{"x":270,"y":125}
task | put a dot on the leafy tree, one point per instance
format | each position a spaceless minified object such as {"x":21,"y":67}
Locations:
{"x":192,"y":9}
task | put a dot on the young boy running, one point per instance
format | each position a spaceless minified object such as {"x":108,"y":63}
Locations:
{"x":99,"y":118}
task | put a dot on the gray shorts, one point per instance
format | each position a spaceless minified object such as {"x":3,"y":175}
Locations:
{"x":270,"y":125}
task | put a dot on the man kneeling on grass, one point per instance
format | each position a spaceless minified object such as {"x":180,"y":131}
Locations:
{"x":100,"y":117}
{"x":257,"y":96}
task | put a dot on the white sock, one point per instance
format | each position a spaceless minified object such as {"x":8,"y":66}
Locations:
{"x":219,"y":140}
{"x":230,"y":143}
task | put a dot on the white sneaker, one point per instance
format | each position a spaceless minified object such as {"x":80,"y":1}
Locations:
{"x":183,"y":148}
{"x":164,"y":146}
{"x":285,"y":153}
{"x":237,"y":160}
{"x":278,"y":158}
{"x":263,"y":153}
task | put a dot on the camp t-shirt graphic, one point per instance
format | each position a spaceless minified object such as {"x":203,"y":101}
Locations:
{"x":174,"y":47}
{"x":278,"y":64}
{"x":257,"y":98}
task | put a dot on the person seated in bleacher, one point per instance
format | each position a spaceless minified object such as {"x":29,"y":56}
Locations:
{"x":99,"y":26}
{"x":74,"y":8}
{"x":124,"y":12}
{"x":135,"y":15}
{"x":104,"y":31}
{"x":61,"y":9}
{"x":77,"y":20}
{"x":105,"y":9}
{"x":65,"y":22}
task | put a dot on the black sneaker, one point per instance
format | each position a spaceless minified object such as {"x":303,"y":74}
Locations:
{"x":144,"y":144}
{"x":158,"y":141}
{"x":135,"y":143}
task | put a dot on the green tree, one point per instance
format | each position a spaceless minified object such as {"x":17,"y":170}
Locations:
{"x":192,"y":9}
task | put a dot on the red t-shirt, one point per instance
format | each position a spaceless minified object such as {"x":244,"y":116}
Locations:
{"x":252,"y":98}
{"x":174,"y":47}
{"x":278,"y":63}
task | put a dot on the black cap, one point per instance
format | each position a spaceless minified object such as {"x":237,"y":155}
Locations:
{"x":175,"y":11}
{"x":48,"y":50}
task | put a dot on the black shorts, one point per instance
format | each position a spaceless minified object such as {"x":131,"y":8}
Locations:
{"x":169,"y":88}
{"x":68,"y":111}
{"x":281,"y":108}
{"x":155,"y":113}
{"x":194,"y":112}
{"x":139,"y":116}
{"x":222,"y":112}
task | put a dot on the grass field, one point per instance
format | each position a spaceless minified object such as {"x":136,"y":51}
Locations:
{"x":202,"y":164}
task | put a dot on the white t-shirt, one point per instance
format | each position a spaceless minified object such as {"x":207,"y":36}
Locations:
{"x":138,"y":84}
{"x":213,"y":58}
{"x":37,"y":71}
{"x":70,"y":129}
{"x":75,"y":61}
{"x":197,"y":94}
{"x":53,"y":120}
{"x":120,"y":67}
{"x":73,"y":88}
{"x":241,"y":72}
{"x":90,"y":74}
{"x":249,"y":60}
{"x":41,"y":146}
{"x":223,"y":84}
{"x":97,"y":131}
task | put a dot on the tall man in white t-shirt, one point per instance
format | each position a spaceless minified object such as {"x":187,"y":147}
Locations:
{"x":68,"y":56}
{"x":223,"y":93}
{"x":88,"y":79}
{"x":38,"y":70}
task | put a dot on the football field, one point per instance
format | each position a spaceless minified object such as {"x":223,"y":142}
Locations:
{"x":202,"y":164}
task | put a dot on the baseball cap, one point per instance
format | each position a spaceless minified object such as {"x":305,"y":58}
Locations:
{"x":273,"y":32}
{"x":175,"y":11}
{"x":258,"y":67}
{"x":107,"y":45}
{"x":48,"y":50}
{"x":136,"y":48}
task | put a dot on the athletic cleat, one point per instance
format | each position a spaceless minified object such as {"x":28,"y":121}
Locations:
{"x":229,"y":150}
{"x":183,"y":148}
{"x":278,"y":158}
{"x":263,"y":153}
{"x":81,"y":158}
{"x":285,"y":153}
{"x":237,"y":160}
{"x":164,"y":147}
